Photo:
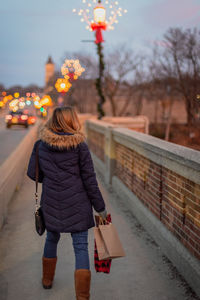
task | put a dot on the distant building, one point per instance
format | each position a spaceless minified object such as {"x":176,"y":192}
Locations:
{"x":49,"y":70}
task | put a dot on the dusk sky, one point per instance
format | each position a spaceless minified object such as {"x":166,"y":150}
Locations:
{"x":32,"y":30}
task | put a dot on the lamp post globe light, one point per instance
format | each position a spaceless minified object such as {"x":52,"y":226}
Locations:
{"x":99,"y":23}
{"x":103,"y":17}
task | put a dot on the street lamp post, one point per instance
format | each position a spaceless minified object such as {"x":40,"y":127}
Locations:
{"x":99,"y":81}
{"x":100,"y":21}
{"x":98,"y":25}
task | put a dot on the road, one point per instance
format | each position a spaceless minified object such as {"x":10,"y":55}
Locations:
{"x":9,"y":138}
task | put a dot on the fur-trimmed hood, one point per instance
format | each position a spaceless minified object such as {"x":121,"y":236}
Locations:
{"x":61,"y":140}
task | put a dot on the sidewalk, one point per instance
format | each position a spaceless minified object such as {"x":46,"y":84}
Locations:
{"x":144,"y":274}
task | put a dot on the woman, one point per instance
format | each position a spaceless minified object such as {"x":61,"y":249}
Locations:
{"x":69,"y":191}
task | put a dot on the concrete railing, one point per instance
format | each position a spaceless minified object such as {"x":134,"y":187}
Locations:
{"x":159,"y":183}
{"x":12,"y":171}
{"x":137,"y":123}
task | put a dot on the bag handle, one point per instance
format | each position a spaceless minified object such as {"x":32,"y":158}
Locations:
{"x":36,"y":176}
{"x":103,"y":222}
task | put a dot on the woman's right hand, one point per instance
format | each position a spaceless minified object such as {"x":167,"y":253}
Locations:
{"x":103,"y":214}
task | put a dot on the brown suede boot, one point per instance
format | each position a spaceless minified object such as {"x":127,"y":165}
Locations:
{"x":49,"y":266}
{"x":82,"y":279}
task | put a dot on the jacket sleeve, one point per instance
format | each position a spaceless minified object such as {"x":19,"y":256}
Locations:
{"x":31,"y":165}
{"x":88,"y":176}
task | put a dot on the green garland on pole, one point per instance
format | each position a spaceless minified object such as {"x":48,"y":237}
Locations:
{"x":99,"y":81}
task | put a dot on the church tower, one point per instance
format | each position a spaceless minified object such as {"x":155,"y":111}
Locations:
{"x":49,"y":70}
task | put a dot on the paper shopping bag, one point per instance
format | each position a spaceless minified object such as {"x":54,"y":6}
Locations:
{"x":101,"y":247}
{"x":111,"y":242}
{"x":103,"y":265}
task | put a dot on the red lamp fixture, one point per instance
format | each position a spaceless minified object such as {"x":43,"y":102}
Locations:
{"x":102,"y":17}
{"x":99,"y":23}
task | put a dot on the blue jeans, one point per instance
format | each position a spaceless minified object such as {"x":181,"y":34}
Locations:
{"x":80,"y":244}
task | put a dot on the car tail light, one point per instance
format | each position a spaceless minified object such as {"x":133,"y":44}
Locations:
{"x":8,"y":117}
{"x":32,"y":120}
{"x":24,"y":117}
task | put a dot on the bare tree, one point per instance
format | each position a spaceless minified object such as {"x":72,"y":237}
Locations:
{"x":118,"y":82}
{"x":84,"y":95}
{"x":183,"y":53}
{"x":139,"y":85}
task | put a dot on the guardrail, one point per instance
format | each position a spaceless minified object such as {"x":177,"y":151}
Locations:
{"x":159,"y":183}
{"x":12,"y":171}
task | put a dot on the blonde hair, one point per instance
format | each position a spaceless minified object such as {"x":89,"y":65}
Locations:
{"x":64,"y":119}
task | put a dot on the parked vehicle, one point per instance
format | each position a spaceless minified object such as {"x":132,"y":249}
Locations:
{"x":16,"y":118}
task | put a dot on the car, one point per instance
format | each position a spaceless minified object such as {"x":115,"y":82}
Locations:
{"x":16,"y":118}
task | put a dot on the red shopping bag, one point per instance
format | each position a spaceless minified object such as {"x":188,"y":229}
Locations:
{"x":101,"y":265}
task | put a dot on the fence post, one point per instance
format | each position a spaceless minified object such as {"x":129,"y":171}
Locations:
{"x":109,"y":154}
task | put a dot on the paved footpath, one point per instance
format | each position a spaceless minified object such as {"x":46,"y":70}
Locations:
{"x":144,"y":274}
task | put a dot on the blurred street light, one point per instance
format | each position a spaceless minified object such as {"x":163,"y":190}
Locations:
{"x":37,"y":104}
{"x":16,"y":95}
{"x":46,"y":101}
{"x":72,"y":69}
{"x":62,"y":85}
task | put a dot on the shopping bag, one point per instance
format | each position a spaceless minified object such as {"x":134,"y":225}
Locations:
{"x":103,"y":265}
{"x":102,"y":250}
{"x":112,"y":243}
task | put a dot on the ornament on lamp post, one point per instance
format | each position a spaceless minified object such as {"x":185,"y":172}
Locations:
{"x":100,"y":17}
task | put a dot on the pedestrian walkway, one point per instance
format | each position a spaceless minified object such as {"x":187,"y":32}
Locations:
{"x":144,"y":274}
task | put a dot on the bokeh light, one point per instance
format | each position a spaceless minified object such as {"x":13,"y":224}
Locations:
{"x":62,"y":85}
{"x":72,"y":69}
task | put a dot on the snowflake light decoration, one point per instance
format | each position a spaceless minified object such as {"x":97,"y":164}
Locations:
{"x":72,"y":69}
{"x":99,"y":17}
{"x":62,"y":85}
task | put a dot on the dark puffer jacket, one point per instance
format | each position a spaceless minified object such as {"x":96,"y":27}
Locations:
{"x":69,"y":185}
